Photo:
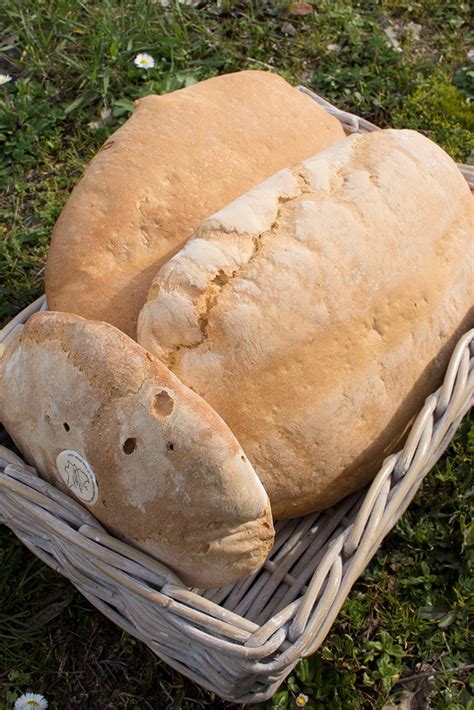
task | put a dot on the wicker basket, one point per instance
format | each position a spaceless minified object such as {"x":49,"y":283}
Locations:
{"x":241,"y":641}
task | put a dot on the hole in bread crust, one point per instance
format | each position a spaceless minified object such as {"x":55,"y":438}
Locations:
{"x":66,"y":426}
{"x":169,"y":446}
{"x":129,"y":445}
{"x":162,"y":404}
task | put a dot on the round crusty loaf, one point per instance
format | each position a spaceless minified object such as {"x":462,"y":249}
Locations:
{"x":103,"y":419}
{"x":318,"y":311}
{"x":177,"y":160}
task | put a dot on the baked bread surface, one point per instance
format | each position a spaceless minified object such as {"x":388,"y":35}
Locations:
{"x":177,"y":160}
{"x":317,"y":312}
{"x":168,"y":475}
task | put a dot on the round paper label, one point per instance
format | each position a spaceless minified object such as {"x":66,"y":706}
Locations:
{"x":78,"y":476}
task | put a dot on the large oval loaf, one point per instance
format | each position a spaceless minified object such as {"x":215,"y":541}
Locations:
{"x":177,"y":160}
{"x":316,"y":312}
{"x":104,"y":420}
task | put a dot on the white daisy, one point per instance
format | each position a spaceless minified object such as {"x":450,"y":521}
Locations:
{"x":301,"y":700}
{"x":5,"y":78}
{"x":30,"y":701}
{"x":144,"y":61}
{"x":470,"y":54}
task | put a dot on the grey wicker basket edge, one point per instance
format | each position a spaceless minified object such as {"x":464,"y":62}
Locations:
{"x":242,"y":641}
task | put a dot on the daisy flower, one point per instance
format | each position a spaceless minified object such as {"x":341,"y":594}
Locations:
{"x":5,"y":78}
{"x":30,"y":701}
{"x":470,"y":54}
{"x":144,"y":61}
{"x":301,"y":700}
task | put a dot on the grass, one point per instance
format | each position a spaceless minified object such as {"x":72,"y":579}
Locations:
{"x":74,"y":82}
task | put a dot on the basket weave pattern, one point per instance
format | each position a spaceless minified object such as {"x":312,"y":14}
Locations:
{"x":241,"y":641}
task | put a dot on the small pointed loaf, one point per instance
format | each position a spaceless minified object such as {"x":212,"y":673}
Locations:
{"x":179,"y":158}
{"x":104,"y":420}
{"x":316,"y":312}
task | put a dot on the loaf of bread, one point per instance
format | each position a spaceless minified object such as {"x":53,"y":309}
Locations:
{"x":316,"y":312}
{"x":102,"y":419}
{"x":177,"y":160}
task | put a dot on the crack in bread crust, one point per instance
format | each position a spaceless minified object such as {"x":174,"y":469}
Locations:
{"x":221,"y":278}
